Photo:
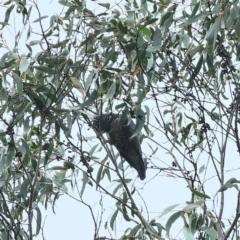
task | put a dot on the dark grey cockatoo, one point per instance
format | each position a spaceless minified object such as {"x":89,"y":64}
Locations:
{"x":120,"y":135}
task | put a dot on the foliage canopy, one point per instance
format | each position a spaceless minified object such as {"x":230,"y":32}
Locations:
{"x":171,"y":66}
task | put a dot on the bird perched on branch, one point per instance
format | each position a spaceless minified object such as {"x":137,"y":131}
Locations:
{"x":120,"y":135}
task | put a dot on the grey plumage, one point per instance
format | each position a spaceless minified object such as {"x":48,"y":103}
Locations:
{"x":129,"y":149}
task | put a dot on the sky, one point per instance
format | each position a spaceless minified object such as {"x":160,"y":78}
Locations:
{"x":72,"y":219}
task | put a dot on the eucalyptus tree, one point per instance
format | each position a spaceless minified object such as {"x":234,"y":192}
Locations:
{"x":171,"y":67}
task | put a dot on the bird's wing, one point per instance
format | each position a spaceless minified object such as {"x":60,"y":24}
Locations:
{"x":128,"y":132}
{"x":128,"y":148}
{"x":132,"y":150}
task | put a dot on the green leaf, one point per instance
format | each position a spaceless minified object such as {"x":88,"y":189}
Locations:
{"x":224,"y":97}
{"x":59,"y":168}
{"x":49,"y":152}
{"x":28,"y":151}
{"x":2,"y":161}
{"x":148,"y":131}
{"x":40,"y":19}
{"x":195,"y":9}
{"x":19,"y":84}
{"x":217,"y":8}
{"x":211,"y":68}
{"x":150,"y":61}
{"x":122,"y":28}
{"x":23,"y":65}
{"x":157,"y":37}
{"x":135,"y":230}
{"x":5,"y":234}
{"x":107,"y":172}
{"x":215,"y":116}
{"x":146,"y":31}
{"x":117,"y":188}
{"x":28,"y":36}
{"x":106,"y":5}
{"x":111,"y":91}
{"x":140,"y":121}
{"x":39,"y":220}
{"x":142,"y":51}
{"x":193,"y":219}
{"x":4,"y":94}
{"x":44,"y":69}
{"x":179,"y":116}
{"x":7,"y":15}
{"x":199,"y":65}
{"x":93,"y":149}
{"x":191,"y":207}
{"x":67,"y":13}
{"x":113,"y":218}
{"x":212,"y":36}
{"x":187,"y":233}
{"x":85,"y":180}
{"x":3,"y":59}
{"x":89,"y":101}
{"x":99,"y":175}
{"x":201,"y":169}
{"x":26,"y":126}
{"x":171,"y":220}
{"x":195,"y":18}
{"x":24,"y":188}
{"x":3,"y":178}
{"x":10,"y":155}
{"x":54,"y":200}
{"x":229,"y":184}
{"x":149,"y":22}
{"x":147,"y":113}
{"x":125,"y":214}
{"x":130,"y":47}
{"x":168,"y":209}
{"x":237,"y":27}
{"x":61,"y":44}
{"x":212,"y":233}
{"x":125,"y":197}
{"x":168,"y":128}
{"x":198,"y":194}
{"x":35,"y":42}
{"x":165,"y":17}
{"x":185,"y":39}
{"x":65,"y":129}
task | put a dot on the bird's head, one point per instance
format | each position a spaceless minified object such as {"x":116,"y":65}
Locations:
{"x":103,"y":122}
